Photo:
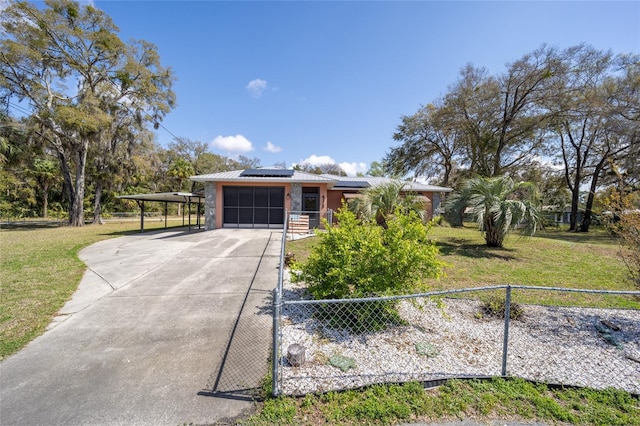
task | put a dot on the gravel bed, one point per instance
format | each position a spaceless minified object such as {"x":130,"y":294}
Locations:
{"x":569,"y":346}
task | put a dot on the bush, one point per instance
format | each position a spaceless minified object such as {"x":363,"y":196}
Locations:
{"x":495,"y":306}
{"x":355,"y":259}
{"x":624,"y":222}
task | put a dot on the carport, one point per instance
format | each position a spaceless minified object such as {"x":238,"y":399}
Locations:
{"x":169,"y":197}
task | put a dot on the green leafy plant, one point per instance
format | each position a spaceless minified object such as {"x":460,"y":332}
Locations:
{"x":498,"y":205}
{"x":495,"y":306}
{"x":361,"y":259}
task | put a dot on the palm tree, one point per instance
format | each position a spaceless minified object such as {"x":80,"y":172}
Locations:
{"x":499,"y":204}
{"x":381,"y":201}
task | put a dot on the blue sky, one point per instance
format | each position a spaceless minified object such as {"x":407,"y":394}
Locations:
{"x":329,"y":81}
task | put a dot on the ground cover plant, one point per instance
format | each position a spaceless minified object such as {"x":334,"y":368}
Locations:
{"x":512,"y":399}
{"x":40,"y":270}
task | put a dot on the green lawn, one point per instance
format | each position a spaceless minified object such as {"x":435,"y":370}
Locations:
{"x":40,"y":270}
{"x":510,"y":399}
{"x":553,"y":258}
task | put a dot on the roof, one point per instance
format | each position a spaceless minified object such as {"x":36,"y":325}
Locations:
{"x":264,"y":175}
{"x":361,"y":182}
{"x":294,"y":176}
{"x":172,"y":197}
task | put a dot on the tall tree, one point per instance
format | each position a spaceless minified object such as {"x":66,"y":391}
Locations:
{"x":431,"y":144}
{"x":46,"y":173}
{"x":487,"y":124}
{"x":501,"y":116}
{"x":589,"y":134}
{"x":45,"y":49}
{"x":327,"y":168}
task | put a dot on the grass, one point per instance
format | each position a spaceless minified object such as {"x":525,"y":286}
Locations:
{"x":506,"y":399}
{"x":553,"y":258}
{"x":40,"y":270}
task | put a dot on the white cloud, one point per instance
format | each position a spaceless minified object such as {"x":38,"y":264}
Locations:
{"x":256,"y":87}
{"x":352,"y":169}
{"x":272,"y":148}
{"x":237,"y":143}
{"x":318,"y":160}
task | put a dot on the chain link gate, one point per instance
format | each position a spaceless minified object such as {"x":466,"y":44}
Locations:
{"x":245,"y":356}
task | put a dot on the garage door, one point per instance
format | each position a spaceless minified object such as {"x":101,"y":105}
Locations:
{"x":253,"y":206}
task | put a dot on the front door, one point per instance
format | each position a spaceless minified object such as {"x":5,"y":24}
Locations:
{"x":311,"y":207}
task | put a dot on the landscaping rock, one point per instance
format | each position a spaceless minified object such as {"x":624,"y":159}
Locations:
{"x":605,"y":333}
{"x":342,"y":362}
{"x":296,"y":355}
{"x":610,"y":325}
{"x":426,"y":349}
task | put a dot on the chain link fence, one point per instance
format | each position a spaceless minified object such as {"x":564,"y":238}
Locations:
{"x":325,"y":345}
{"x":535,"y":333}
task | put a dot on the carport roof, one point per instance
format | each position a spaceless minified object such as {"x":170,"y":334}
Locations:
{"x":171,"y":197}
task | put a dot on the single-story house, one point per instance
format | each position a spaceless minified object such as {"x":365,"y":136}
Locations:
{"x":561,"y":215}
{"x":258,"y":198}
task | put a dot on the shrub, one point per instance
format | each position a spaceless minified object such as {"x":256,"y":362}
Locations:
{"x":355,"y":259}
{"x":495,"y":306}
{"x":624,"y":222}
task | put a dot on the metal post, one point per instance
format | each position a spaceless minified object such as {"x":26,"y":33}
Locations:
{"x":189,"y":204}
{"x":165,"y":215}
{"x":141,"y":216}
{"x":199,"y":223}
{"x":276,"y":344}
{"x":507,"y":318}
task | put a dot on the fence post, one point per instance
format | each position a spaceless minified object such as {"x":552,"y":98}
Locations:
{"x":507,"y":318}
{"x":276,"y":343}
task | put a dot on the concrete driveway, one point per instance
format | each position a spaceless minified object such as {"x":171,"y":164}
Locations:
{"x":143,"y":339}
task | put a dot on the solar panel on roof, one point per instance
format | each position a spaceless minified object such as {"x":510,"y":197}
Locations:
{"x":267,"y":173}
{"x":352,"y":184}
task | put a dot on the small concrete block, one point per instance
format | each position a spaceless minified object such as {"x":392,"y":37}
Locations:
{"x":296,"y":355}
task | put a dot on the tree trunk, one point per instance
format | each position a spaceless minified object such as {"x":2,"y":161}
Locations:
{"x":493,"y":234}
{"x":45,"y":200}
{"x":573,"y":216}
{"x":586,"y":219}
{"x":97,"y":204}
{"x":68,"y":186}
{"x":76,"y":213}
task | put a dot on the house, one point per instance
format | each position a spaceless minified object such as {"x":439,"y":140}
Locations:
{"x":258,"y":198}
{"x":561,"y":215}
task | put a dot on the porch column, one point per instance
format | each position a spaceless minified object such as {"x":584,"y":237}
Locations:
{"x":210,"y":205}
{"x":296,"y":197}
